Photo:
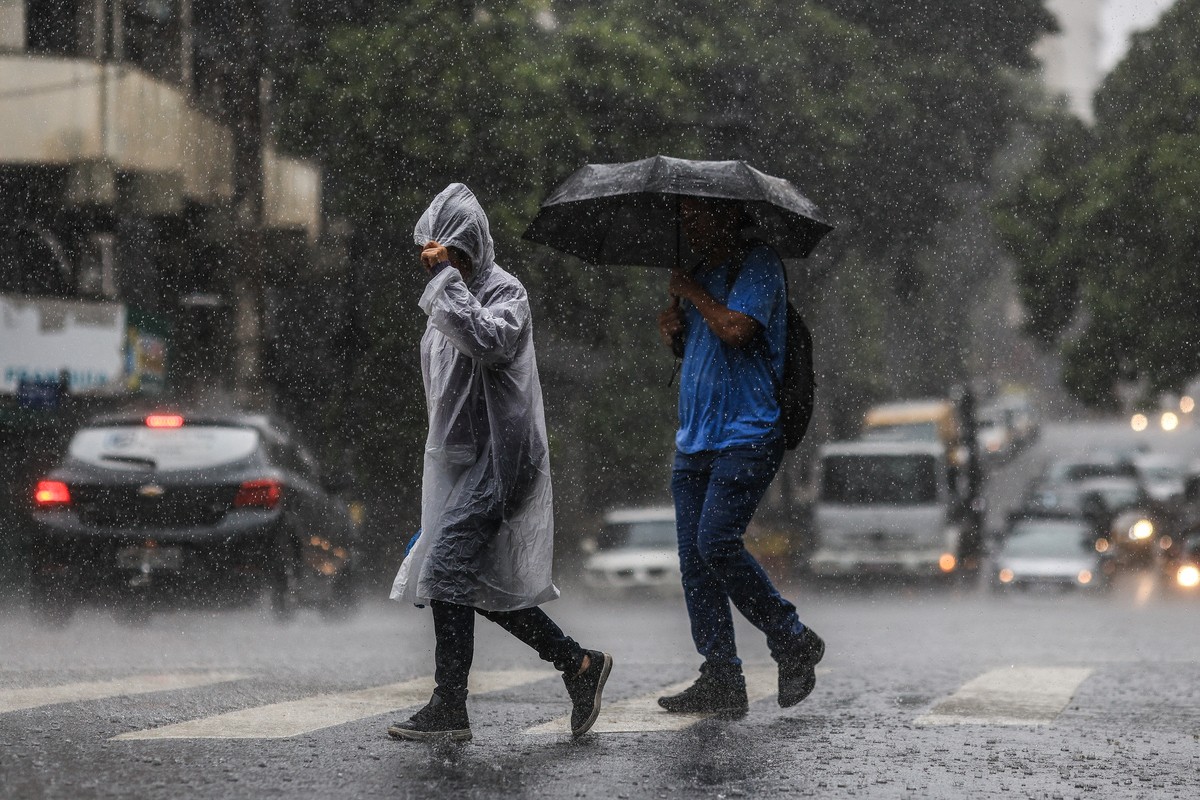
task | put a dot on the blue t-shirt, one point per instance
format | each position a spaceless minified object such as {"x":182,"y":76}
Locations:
{"x":727,"y":395}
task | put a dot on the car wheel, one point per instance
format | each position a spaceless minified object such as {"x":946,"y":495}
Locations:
{"x":51,"y":607}
{"x":285,"y":585}
{"x":343,"y":597}
{"x":134,"y":612}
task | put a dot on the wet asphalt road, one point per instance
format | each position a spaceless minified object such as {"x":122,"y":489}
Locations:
{"x":1056,"y":696}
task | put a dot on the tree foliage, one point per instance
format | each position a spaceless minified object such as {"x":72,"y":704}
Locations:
{"x":1105,"y":226}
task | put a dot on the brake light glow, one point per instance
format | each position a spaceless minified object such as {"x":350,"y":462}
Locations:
{"x":164,"y":421}
{"x":51,"y":493}
{"x":261,"y":493}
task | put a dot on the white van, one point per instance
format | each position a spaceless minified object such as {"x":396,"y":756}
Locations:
{"x":885,"y":507}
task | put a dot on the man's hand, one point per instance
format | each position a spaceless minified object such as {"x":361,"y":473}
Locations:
{"x":670,"y":323}
{"x":433,"y":254}
{"x":685,"y":286}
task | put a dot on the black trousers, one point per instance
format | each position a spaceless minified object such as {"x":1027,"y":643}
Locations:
{"x":454,"y":632}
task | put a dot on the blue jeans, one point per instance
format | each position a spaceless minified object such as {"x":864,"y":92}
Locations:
{"x":716,"y":493}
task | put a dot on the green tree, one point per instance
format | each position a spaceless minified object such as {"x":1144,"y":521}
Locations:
{"x":1105,"y":230}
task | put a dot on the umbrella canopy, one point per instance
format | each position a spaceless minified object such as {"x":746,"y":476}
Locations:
{"x":629,"y":213}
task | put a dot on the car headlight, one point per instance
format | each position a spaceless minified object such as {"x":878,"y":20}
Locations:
{"x":1188,"y":576}
{"x":1141,"y":530}
{"x":1084,"y":577}
{"x":1006,"y":575}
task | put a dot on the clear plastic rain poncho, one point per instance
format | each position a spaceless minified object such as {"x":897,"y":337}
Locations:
{"x":487,"y":522}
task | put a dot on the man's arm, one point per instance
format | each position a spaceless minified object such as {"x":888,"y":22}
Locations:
{"x":731,"y":327}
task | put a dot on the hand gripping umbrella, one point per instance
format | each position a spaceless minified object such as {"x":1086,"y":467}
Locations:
{"x":629,"y":213}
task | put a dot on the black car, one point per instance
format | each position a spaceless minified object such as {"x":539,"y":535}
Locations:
{"x":188,"y":506}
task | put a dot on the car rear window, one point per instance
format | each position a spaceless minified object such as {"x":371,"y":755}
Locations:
{"x":135,"y":447}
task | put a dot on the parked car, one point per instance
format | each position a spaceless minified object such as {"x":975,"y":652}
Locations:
{"x":635,"y":550}
{"x":1041,"y":551}
{"x":189,"y":505}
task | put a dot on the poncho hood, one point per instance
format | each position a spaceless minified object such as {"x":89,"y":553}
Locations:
{"x":455,"y":219}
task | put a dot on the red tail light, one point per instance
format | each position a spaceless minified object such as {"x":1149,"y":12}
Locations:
{"x":50,"y":494}
{"x":261,"y":493}
{"x":164,"y":421}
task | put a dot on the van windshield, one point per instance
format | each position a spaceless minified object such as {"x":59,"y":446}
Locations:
{"x":898,"y":480}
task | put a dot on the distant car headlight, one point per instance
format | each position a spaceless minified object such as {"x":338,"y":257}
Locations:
{"x":1084,"y":577}
{"x":1139,"y":422}
{"x":1102,"y":545}
{"x":1141,"y":530}
{"x":1169,"y":421}
{"x":1006,"y":575}
{"x":947,"y":562}
{"x":1188,"y":576}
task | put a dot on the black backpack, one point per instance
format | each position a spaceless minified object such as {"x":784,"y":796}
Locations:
{"x":797,"y":392}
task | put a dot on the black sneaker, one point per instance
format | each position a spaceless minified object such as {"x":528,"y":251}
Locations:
{"x":585,"y":690}
{"x":438,"y":720}
{"x":798,"y":670}
{"x":709,"y":695}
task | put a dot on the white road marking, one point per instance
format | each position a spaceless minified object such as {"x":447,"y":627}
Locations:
{"x":292,"y":718}
{"x":1009,"y":696}
{"x":21,"y":699}
{"x":644,"y":715}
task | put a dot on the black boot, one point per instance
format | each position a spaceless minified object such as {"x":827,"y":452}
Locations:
{"x":585,"y":690}
{"x":439,"y":719}
{"x":798,"y":669}
{"x":712,"y":693}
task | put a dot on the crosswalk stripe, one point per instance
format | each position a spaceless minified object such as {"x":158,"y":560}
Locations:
{"x":643,"y":714}
{"x":292,"y":718}
{"x":1009,"y":696}
{"x":34,"y":697}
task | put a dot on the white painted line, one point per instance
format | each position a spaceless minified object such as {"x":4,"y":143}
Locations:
{"x":21,"y":699}
{"x":292,"y":718}
{"x":1009,"y":696}
{"x":644,"y":715}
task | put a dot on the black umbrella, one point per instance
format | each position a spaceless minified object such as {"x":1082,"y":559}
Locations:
{"x":629,"y":213}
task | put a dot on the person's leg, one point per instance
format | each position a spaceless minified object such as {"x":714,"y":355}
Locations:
{"x":584,"y":671}
{"x":739,"y":479}
{"x":445,"y":715}
{"x":454,"y":648}
{"x":704,"y":595}
{"x":535,"y":628}
{"x":721,"y":688}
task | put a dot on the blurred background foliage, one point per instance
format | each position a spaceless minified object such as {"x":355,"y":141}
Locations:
{"x":1105,"y":224}
{"x":888,"y":115}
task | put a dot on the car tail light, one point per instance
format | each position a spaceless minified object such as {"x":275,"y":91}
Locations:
{"x":261,"y":493}
{"x":164,"y":421}
{"x":51,"y":494}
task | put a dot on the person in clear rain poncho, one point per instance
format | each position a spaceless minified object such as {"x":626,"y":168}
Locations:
{"x":487,"y":525}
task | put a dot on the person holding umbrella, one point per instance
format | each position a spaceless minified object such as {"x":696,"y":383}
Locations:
{"x":728,"y":448}
{"x":732,"y":334}
{"x":487,"y":525}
